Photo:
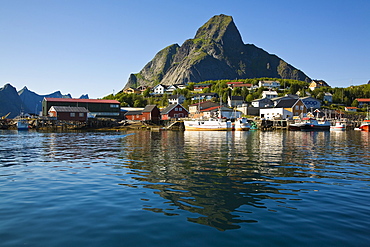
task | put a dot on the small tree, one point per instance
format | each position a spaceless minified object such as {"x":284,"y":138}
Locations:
{"x":146,"y":93}
{"x":354,"y":103}
{"x":249,"y":98}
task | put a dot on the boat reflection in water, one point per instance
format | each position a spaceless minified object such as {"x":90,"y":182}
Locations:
{"x":217,"y":175}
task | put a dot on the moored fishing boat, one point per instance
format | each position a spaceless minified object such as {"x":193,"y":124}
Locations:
{"x":314,"y":124}
{"x":365,"y":125}
{"x":310,"y":124}
{"x":209,"y":124}
{"x":338,"y":126}
{"x":296,"y":125}
{"x":241,"y":124}
{"x":22,"y":124}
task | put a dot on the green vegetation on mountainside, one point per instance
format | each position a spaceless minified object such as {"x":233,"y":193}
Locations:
{"x":341,"y":96}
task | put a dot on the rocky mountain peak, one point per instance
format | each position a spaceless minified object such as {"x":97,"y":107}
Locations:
{"x":222,"y":29}
{"x":217,"y":52}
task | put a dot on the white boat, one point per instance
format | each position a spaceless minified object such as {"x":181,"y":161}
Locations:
{"x":241,"y":124}
{"x":338,"y":126}
{"x":22,"y":124}
{"x":209,"y":124}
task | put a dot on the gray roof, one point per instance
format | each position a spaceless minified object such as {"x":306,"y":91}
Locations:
{"x":168,"y":108}
{"x":286,"y":103}
{"x":262,"y":100}
{"x":149,"y":108}
{"x":133,"y":113}
{"x":69,"y":109}
{"x":176,"y":96}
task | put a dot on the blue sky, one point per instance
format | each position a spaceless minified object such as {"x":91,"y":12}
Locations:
{"x":92,"y":46}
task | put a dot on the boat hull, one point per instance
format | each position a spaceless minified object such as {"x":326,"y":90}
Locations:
{"x":338,"y":127}
{"x":22,"y":125}
{"x":207,"y":125}
{"x":365,"y":126}
{"x":310,"y":125}
{"x":241,"y":124}
{"x":334,"y":128}
{"x":315,"y":127}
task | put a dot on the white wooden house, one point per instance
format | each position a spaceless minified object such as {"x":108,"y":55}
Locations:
{"x":159,"y":89}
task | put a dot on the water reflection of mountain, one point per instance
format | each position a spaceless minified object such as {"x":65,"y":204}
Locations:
{"x":210,"y":174}
{"x":222,"y":178}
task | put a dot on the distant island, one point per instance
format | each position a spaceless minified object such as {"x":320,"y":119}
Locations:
{"x":13,"y":103}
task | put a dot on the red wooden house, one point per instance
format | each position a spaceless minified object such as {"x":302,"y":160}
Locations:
{"x":134,"y":115}
{"x":174,"y":111}
{"x":152,"y":113}
{"x":149,"y":113}
{"x":69,"y":113}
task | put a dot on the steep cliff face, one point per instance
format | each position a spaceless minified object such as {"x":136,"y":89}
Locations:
{"x":153,"y":72}
{"x":216,"y":52}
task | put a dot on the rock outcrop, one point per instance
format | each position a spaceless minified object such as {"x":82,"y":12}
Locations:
{"x":216,"y":52}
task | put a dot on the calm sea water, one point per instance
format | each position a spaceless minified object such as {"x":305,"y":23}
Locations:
{"x":174,"y":188}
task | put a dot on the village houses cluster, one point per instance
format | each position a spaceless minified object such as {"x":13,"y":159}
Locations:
{"x":270,"y":106}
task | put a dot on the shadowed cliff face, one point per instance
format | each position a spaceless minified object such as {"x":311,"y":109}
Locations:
{"x":217,"y":52}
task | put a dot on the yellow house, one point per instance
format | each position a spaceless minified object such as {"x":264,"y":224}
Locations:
{"x":131,"y":90}
{"x":317,"y":84}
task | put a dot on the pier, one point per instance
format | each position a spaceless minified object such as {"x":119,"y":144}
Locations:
{"x":49,"y":124}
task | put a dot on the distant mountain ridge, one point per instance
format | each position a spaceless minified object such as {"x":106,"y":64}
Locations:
{"x":216,"y":52}
{"x":24,"y":101}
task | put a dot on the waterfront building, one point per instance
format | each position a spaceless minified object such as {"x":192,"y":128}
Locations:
{"x":218,"y":111}
{"x":68,"y":113}
{"x":285,"y":109}
{"x":174,"y":111}
{"x":96,"y":107}
{"x":311,"y":103}
{"x":149,"y":113}
{"x":195,"y":109}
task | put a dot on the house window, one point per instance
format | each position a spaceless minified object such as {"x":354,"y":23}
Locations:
{"x":72,"y":114}
{"x":114,"y":106}
{"x":297,"y":107}
{"x":176,"y":109}
{"x":81,"y":114}
{"x":180,"y":109}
